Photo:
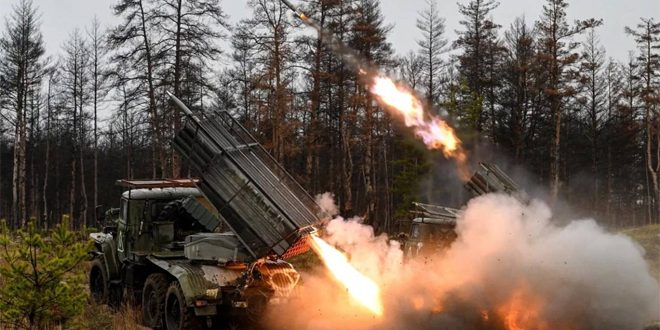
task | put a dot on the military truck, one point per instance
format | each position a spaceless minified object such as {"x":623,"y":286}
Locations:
{"x":431,"y":229}
{"x":432,"y":226}
{"x":164,"y":250}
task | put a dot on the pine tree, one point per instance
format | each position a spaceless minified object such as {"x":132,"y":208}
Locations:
{"x":190,"y":32}
{"x":557,"y":56}
{"x":431,"y":48}
{"x":517,"y":96}
{"x":411,"y":68}
{"x":241,"y":76}
{"x":622,"y":147}
{"x":21,"y":71}
{"x":137,"y":53}
{"x":369,"y":39}
{"x":647,"y":37}
{"x":341,"y":116}
{"x":99,"y":77}
{"x":274,"y":85}
{"x":592,"y":99}
{"x":75,"y":84}
{"x":478,"y":41}
{"x":315,"y":52}
{"x":42,"y":281}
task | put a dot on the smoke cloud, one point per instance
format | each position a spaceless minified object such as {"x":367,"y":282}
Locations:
{"x":327,"y":203}
{"x":510,"y":267}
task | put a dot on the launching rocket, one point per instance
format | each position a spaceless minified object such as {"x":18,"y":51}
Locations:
{"x":298,"y":12}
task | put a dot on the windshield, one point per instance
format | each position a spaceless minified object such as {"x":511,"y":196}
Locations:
{"x":132,"y":212}
{"x":157,"y":208}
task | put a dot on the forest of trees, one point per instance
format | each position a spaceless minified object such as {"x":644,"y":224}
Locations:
{"x":540,"y":95}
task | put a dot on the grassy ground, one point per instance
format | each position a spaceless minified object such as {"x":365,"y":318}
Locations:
{"x":649,"y":238}
{"x":99,"y":317}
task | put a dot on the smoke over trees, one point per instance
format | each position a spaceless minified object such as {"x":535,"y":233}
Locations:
{"x":540,"y":92}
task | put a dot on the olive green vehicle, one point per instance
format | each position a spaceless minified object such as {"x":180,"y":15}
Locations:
{"x":163,"y":250}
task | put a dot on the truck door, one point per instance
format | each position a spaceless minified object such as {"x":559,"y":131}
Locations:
{"x":122,"y":227}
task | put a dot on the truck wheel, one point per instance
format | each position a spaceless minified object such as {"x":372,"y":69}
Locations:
{"x":98,"y":281}
{"x":178,"y":315}
{"x":153,"y":300}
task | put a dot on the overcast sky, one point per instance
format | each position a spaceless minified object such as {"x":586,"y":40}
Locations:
{"x":60,"y":17}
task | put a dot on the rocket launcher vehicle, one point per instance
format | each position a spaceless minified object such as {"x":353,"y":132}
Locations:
{"x":268,"y":211}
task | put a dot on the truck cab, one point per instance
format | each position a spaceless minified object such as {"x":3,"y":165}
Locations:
{"x":164,"y":247}
{"x":146,"y":222}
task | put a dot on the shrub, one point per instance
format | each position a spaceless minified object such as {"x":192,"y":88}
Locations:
{"x":43,"y":278}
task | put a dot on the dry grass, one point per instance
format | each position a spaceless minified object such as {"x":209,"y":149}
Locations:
{"x":101,"y":317}
{"x":649,"y":238}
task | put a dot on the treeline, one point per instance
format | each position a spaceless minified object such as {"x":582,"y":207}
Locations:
{"x":542,"y":94}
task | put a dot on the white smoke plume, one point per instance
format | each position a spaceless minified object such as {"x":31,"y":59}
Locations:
{"x":510,"y":267}
{"x":326,"y":201}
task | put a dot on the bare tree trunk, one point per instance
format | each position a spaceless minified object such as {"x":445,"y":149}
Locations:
{"x":347,"y":170}
{"x":74,"y":138}
{"x":127,"y":139}
{"x":58,"y":182}
{"x":155,"y":122}
{"x":83,"y":185}
{"x":15,"y":172}
{"x":594,"y":143}
{"x":555,"y":108}
{"x":654,"y":202}
{"x":47,"y":161}
{"x":368,"y":163}
{"x":176,"y":117}
{"x":656,"y":189}
{"x":312,"y":156}
{"x":346,"y":160}
{"x":16,"y":190}
{"x":2,"y":209}
{"x":554,"y":156}
{"x":387,"y":227}
{"x":18,"y":210}
{"x":22,"y":174}
{"x":34,"y":136}
{"x":96,"y":156}
{"x":608,"y":208}
{"x":97,"y":45}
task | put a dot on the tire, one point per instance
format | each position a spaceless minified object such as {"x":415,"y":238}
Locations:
{"x":178,"y":316}
{"x":99,"y":285}
{"x":153,"y":300}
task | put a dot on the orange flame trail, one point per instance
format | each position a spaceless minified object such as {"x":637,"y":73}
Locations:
{"x":361,"y":288}
{"x":435,"y":132}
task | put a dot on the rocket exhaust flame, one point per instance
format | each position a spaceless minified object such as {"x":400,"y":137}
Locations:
{"x":435,"y":132}
{"x":361,"y":288}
